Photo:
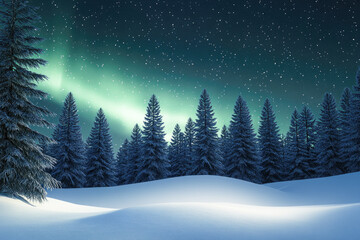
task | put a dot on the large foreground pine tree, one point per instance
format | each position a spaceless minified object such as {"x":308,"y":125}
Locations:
{"x":22,"y":163}
{"x":100,"y":157}
{"x":69,"y":149}
{"x":153,"y":164}
{"x":208,"y":159}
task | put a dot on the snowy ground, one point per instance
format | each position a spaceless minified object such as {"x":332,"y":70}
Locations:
{"x":194,"y":207}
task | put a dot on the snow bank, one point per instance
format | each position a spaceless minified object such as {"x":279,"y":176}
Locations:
{"x":328,"y":190}
{"x":18,"y":212}
{"x":180,"y":189}
{"x":193,"y":207}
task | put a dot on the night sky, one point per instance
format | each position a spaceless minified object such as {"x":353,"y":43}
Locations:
{"x":116,"y":54}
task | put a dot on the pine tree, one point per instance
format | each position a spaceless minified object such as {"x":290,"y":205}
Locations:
{"x":243,"y":162}
{"x":346,"y":129}
{"x":123,"y":163}
{"x":225,"y":146}
{"x":207,"y":153}
{"x":328,"y":145}
{"x":99,"y":154}
{"x":176,"y":153}
{"x":307,"y":134}
{"x":189,"y":145}
{"x":22,"y":163}
{"x":135,"y":154}
{"x":299,"y":167}
{"x":353,"y":139}
{"x":51,"y":147}
{"x":283,"y":152}
{"x":154,"y":164}
{"x":69,"y":149}
{"x":284,"y":156}
{"x":183,"y":150}
{"x":269,"y":141}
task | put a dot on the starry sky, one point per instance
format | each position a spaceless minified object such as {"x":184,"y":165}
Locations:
{"x":116,"y":54}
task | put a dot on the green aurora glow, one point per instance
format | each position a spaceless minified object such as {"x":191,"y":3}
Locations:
{"x":111,"y":56}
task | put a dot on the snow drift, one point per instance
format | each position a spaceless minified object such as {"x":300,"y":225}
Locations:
{"x":192,"y":207}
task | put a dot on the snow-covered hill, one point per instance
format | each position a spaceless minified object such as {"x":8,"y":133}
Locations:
{"x":193,"y":207}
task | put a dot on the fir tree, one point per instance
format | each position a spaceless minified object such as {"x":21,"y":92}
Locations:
{"x":307,"y":134}
{"x":123,"y":163}
{"x":183,"y":150}
{"x":22,"y":163}
{"x":100,"y":156}
{"x":353,"y":139}
{"x":176,"y":153}
{"x":154,"y":164}
{"x":347,"y":130}
{"x":189,"y":145}
{"x":69,"y":149}
{"x":135,"y":153}
{"x":284,"y":156}
{"x":283,"y":144}
{"x":299,"y":167}
{"x":225,"y":146}
{"x":207,"y":153}
{"x":328,"y":145}
{"x":243,"y":162}
{"x":269,"y":141}
{"x":51,"y":148}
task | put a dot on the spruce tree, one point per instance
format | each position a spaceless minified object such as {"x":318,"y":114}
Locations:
{"x":299,"y":167}
{"x":307,"y":134}
{"x":282,"y":147}
{"x":176,"y":153}
{"x":69,"y":149}
{"x":353,"y":139}
{"x":346,"y":129}
{"x":154,"y":164}
{"x":269,"y":143}
{"x":135,"y":154}
{"x":208,"y":159}
{"x":284,"y":156}
{"x":123,"y":163}
{"x":23,"y":165}
{"x":225,"y":146}
{"x":243,"y":161}
{"x":183,"y":150}
{"x":99,"y":154}
{"x":328,"y":145}
{"x":189,"y":145}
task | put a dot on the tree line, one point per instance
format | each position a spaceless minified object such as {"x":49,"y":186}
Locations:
{"x":311,"y":148}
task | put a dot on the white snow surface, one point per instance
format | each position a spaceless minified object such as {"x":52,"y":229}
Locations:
{"x":192,"y":207}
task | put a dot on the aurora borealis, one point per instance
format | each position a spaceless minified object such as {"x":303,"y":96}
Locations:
{"x":116,"y":54}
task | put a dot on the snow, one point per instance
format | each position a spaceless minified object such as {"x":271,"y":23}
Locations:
{"x":192,"y":207}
